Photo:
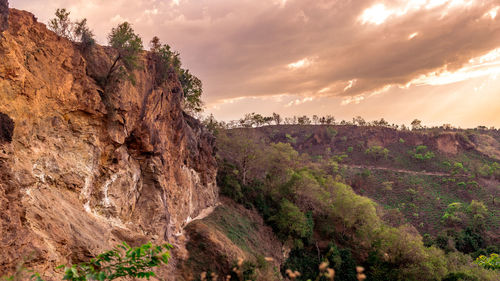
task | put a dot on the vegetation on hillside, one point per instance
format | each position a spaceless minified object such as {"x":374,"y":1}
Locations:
{"x":307,"y":202}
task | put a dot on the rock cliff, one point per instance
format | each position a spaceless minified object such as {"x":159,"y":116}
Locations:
{"x":80,"y":170}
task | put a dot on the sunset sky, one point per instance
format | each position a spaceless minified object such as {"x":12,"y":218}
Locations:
{"x":435,"y":60}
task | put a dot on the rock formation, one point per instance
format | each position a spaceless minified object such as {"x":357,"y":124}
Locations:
{"x":4,"y":15}
{"x":84,"y":170}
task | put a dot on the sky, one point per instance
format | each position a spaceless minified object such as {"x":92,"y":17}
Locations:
{"x":435,"y":60}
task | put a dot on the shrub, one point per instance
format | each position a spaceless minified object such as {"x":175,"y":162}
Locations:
{"x":491,"y":262}
{"x":291,"y":139}
{"x":331,"y":132}
{"x":77,"y":31}
{"x":291,"y":222}
{"x":377,"y":152}
{"x":421,"y":153}
{"x":122,"y":261}
{"x":459,"y":276}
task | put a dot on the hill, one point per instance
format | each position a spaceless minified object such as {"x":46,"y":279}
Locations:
{"x":429,"y":186}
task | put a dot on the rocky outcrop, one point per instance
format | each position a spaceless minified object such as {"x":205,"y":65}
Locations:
{"x":4,"y":15}
{"x":84,"y":170}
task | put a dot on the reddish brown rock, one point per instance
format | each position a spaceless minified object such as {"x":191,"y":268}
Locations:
{"x":85,"y":171}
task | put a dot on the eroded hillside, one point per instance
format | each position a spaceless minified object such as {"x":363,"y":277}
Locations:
{"x":84,"y":168}
{"x":414,"y":175}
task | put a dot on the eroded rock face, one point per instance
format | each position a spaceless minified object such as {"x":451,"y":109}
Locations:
{"x":4,"y":15}
{"x":81,"y":174}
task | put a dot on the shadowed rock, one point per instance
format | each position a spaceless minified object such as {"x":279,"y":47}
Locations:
{"x":4,"y":15}
{"x":6,"y":128}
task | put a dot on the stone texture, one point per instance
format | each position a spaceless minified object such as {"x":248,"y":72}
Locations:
{"x":85,"y":170}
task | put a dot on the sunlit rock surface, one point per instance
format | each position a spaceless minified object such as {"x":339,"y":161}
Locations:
{"x":84,"y":171}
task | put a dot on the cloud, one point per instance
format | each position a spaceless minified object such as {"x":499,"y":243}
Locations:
{"x":322,"y":48}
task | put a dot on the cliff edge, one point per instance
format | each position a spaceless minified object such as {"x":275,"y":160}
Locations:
{"x":80,"y":172}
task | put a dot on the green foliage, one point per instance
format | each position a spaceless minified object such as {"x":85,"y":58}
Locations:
{"x":421,"y":153}
{"x":342,"y":262}
{"x":331,"y":132}
{"x":61,"y":24}
{"x":122,"y":261}
{"x":401,"y":140}
{"x":296,"y":196}
{"x":377,"y":152}
{"x":291,"y":139}
{"x":303,"y":261}
{"x":83,"y":33}
{"x":77,"y":31}
{"x":453,"y":213}
{"x":291,"y":222}
{"x":469,"y":240}
{"x":491,"y":262}
{"x":192,"y":88}
{"x":387,"y":185}
{"x":478,"y":212}
{"x":128,"y":45}
{"x":459,"y":276}
{"x":458,"y":168}
{"x":167,"y":61}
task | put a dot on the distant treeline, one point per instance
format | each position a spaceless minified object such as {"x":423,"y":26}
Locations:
{"x":253,"y":120}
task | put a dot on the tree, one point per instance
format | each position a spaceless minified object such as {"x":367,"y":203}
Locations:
{"x":128,"y":45}
{"x":478,"y":212}
{"x":77,"y":31}
{"x":377,"y":152}
{"x":155,"y":44}
{"x":315,"y":119}
{"x":416,"y":124}
{"x":277,"y":118}
{"x":268,"y":120}
{"x":61,"y":24}
{"x":359,"y":120}
{"x":83,"y":33}
{"x":330,"y":120}
{"x":167,"y":61}
{"x":192,"y":87}
{"x":304,"y":120}
{"x":291,"y":222}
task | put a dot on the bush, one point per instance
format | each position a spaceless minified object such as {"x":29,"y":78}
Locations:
{"x":422,"y":154}
{"x":291,"y":223}
{"x":122,"y":261}
{"x":77,"y":31}
{"x":491,"y":262}
{"x":459,"y":276}
{"x":377,"y":152}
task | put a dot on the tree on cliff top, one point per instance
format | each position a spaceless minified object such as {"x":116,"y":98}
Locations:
{"x":128,"y":45}
{"x":77,"y":31}
{"x":61,"y":24}
{"x":167,"y":60}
